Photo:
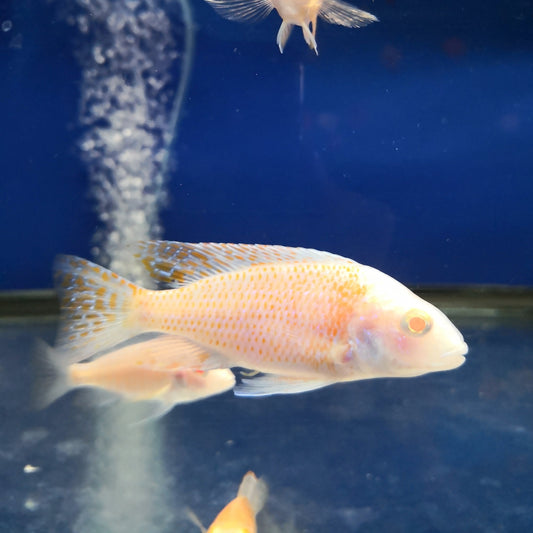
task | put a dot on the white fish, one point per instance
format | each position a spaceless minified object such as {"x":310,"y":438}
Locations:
{"x":301,"y":13}
{"x":305,"y":318}
{"x":141,"y":372}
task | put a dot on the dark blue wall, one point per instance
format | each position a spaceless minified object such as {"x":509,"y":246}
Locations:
{"x":410,"y":151}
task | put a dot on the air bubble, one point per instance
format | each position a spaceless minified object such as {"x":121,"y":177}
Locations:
{"x":31,"y":505}
{"x":124,"y":120}
{"x":98,"y":56}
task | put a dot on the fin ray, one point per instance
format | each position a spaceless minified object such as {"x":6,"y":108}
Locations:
{"x":178,"y":263}
{"x":95,"y":307}
{"x":50,"y":375}
{"x":242,"y":10}
{"x":146,"y":411}
{"x":309,"y":38}
{"x":284,"y":33}
{"x":270,"y":384}
{"x":344,"y":14}
{"x":191,"y":516}
{"x":166,"y":352}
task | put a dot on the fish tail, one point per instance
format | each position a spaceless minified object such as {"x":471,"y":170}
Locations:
{"x":97,"y":307}
{"x":254,"y":490}
{"x":50,"y":375}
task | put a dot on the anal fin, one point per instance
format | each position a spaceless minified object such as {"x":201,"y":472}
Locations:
{"x":148,"y":411}
{"x":270,"y":384}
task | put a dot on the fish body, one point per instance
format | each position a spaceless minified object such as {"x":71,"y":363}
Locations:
{"x":239,"y":515}
{"x":136,"y":372}
{"x":305,"y":318}
{"x":303,"y":13}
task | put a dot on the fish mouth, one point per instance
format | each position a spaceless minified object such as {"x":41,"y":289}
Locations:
{"x":453,"y":358}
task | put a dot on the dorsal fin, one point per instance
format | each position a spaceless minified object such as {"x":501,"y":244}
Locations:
{"x":178,"y":263}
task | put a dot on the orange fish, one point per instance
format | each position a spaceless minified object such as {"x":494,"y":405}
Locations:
{"x":136,"y":372}
{"x":305,"y":318}
{"x":303,"y":13}
{"x":239,"y":515}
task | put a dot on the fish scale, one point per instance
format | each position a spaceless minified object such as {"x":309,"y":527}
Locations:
{"x":272,"y":314}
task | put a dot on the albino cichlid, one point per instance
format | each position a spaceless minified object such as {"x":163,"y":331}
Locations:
{"x":303,"y":13}
{"x":305,"y":318}
{"x":138,"y":372}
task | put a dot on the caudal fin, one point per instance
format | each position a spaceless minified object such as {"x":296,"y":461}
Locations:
{"x":50,"y":377}
{"x":255,"y":490}
{"x":96,"y":307}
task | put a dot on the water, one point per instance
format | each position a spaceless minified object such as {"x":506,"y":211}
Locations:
{"x":131,"y":95}
{"x":405,"y":145}
{"x":419,"y":166}
{"x":443,"y":452}
{"x":130,"y":107}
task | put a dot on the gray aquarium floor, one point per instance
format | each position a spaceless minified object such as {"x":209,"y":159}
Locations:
{"x":443,"y":452}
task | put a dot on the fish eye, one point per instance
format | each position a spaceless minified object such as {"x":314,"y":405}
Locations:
{"x":416,"y":322}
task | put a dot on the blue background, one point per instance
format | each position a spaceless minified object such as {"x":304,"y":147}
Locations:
{"x":410,"y":151}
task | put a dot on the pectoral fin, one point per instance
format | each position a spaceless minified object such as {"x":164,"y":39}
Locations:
{"x":344,"y":14}
{"x":242,"y":10}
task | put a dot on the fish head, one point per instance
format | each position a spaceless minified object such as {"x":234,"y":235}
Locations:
{"x":395,"y":333}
